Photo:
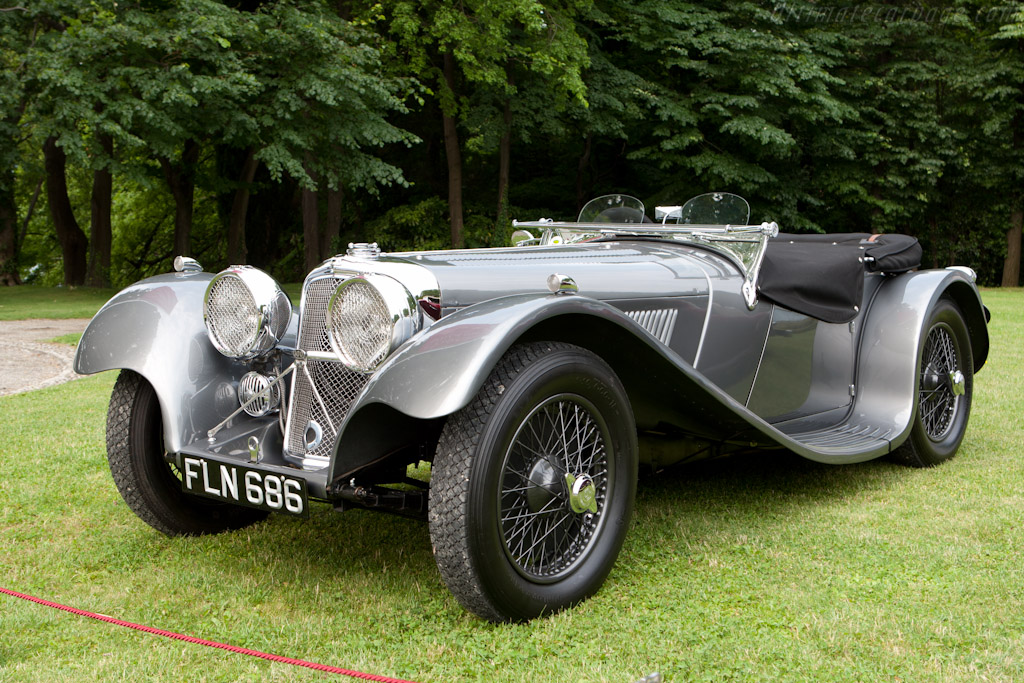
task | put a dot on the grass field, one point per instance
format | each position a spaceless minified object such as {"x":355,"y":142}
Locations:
{"x":753,"y":568}
{"x":18,"y":303}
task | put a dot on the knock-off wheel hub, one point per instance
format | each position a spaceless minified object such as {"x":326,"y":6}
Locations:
{"x":582,"y":493}
{"x":958,"y":383}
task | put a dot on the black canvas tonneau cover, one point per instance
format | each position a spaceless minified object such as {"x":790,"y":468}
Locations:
{"x":823,"y":275}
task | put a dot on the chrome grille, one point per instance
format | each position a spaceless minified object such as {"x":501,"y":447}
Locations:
{"x":335,"y":384}
{"x":313,"y":326}
{"x":253,"y":383}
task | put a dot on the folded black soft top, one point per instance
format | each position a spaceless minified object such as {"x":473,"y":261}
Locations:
{"x":823,"y":275}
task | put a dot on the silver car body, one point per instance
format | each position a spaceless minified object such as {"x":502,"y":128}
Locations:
{"x":671,"y":318}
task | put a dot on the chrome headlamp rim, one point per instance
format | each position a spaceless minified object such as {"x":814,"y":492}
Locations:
{"x":271,"y":308}
{"x":403,"y":320}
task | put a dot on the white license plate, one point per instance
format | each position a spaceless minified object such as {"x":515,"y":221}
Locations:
{"x":244,"y":486}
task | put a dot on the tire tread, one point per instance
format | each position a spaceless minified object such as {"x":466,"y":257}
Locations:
{"x":170,"y":512}
{"x":449,"y":485}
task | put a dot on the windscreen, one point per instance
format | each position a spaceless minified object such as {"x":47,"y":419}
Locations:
{"x":713,"y":208}
{"x":613,"y":208}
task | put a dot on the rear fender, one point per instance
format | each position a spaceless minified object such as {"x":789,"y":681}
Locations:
{"x":887,"y":370}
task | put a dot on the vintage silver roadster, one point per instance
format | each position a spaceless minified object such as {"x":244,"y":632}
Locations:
{"x":535,"y":379}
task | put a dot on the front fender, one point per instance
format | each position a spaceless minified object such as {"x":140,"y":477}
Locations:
{"x":440,"y":371}
{"x":155,"y":327}
{"x":443,"y":369}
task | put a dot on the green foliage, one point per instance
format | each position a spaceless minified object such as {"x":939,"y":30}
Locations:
{"x":291,"y":79}
{"x":424,"y":225}
{"x":891,"y":116}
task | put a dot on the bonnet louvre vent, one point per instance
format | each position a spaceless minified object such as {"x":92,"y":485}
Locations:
{"x":659,"y":323}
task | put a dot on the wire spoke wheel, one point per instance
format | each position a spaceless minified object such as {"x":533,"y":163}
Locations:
{"x":554,"y":484}
{"x":945,"y":382}
{"x":533,"y":484}
{"x":939,"y":382}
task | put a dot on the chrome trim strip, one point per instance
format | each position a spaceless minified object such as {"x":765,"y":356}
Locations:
{"x":760,"y":360}
{"x":707,"y":314}
{"x":322,"y":355}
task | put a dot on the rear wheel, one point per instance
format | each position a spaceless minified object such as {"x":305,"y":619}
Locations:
{"x":149,"y":484}
{"x":533,"y":483}
{"x":945,"y":384}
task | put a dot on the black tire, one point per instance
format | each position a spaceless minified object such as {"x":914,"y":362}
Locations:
{"x":945,"y":384}
{"x":514,"y":537}
{"x":148,"y":483}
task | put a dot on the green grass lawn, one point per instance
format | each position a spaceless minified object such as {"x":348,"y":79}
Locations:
{"x":755,"y":568}
{"x":18,"y":303}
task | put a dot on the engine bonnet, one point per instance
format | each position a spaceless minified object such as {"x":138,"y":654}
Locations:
{"x":604,"y":270}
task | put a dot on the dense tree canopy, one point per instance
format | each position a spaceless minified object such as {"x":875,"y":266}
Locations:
{"x":273,"y":132}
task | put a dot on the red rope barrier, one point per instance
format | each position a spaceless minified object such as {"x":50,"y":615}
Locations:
{"x":209,"y":643}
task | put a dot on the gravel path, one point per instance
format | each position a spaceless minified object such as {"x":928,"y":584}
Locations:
{"x":28,"y":362}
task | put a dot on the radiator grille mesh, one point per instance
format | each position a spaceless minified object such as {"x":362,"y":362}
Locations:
{"x":336,"y":385}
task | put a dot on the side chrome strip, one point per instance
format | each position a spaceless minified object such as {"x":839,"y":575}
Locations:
{"x":760,"y":360}
{"x":707,"y":314}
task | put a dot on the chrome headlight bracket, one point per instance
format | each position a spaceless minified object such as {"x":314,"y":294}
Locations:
{"x":368,"y":317}
{"x":246,"y":312}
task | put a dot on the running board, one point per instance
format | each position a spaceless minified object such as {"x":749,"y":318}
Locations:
{"x":845,"y":438}
{"x":844,"y":442}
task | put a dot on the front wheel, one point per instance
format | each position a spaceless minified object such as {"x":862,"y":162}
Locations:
{"x":945,"y":384}
{"x":149,"y":484}
{"x":533,"y":484}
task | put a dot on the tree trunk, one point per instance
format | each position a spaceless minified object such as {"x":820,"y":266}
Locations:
{"x":8,"y":232}
{"x":73,"y":242}
{"x":20,"y":239}
{"x":504,"y":161}
{"x":1011,"y":267}
{"x":180,"y":179}
{"x":98,"y":273}
{"x":453,"y":154}
{"x":581,"y":168}
{"x":333,"y":226}
{"x":310,"y":223}
{"x":237,"y":251}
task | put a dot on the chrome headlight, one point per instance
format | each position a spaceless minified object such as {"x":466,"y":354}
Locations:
{"x":245,"y":311}
{"x":368,"y":317}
